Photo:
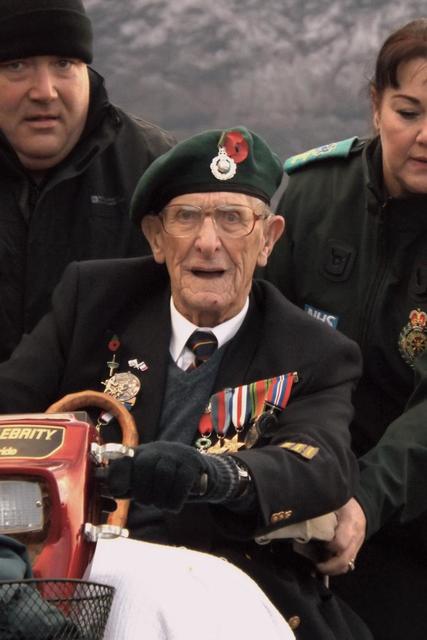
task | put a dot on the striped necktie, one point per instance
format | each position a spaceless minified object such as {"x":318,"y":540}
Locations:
{"x":202,"y":344}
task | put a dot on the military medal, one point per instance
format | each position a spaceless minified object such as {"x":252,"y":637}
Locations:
{"x":205,"y":429}
{"x":258,"y":391}
{"x":263,"y":427}
{"x":279,"y":391}
{"x":123,"y":387}
{"x":256,"y":404}
{"x":275,"y":399}
{"x":235,"y":410}
{"x":240,"y":415}
{"x":233,"y":444}
{"x":221,"y":418}
{"x":413,"y":337}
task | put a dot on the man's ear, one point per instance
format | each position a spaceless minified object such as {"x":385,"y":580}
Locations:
{"x":152,"y":229}
{"x":274,"y":227}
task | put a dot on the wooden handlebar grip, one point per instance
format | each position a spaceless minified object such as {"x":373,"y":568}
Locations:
{"x":82,"y":399}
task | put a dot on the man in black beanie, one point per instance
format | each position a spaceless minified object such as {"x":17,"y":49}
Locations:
{"x":69,"y":159}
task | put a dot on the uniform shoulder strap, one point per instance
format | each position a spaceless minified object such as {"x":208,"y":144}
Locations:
{"x":340,"y":149}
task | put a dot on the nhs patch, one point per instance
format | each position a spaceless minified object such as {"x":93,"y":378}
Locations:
{"x":323,"y":316}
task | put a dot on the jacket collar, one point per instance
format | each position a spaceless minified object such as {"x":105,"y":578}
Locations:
{"x":377,"y":198}
{"x":372,"y":170}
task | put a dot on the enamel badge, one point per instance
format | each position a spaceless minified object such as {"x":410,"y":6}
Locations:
{"x":232,"y":149}
{"x":413,"y":337}
{"x":222,"y":166}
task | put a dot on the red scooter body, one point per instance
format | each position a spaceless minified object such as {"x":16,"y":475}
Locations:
{"x":54,"y":451}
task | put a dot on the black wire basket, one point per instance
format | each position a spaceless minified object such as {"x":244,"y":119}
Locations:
{"x":54,"y":609}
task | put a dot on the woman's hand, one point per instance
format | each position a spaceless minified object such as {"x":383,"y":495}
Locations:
{"x":349,"y":537}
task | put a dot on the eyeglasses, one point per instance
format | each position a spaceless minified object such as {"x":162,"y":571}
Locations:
{"x":232,"y":220}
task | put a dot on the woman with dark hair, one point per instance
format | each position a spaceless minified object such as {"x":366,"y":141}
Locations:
{"x":355,"y":256}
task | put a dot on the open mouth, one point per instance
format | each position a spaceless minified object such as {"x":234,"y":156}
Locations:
{"x":207,"y":275}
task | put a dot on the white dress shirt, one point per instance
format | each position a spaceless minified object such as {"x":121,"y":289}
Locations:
{"x":183,"y":328}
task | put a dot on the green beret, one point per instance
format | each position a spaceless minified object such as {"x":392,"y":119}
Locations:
{"x":234,"y":160}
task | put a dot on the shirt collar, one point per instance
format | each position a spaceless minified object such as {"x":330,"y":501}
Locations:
{"x":183,"y":328}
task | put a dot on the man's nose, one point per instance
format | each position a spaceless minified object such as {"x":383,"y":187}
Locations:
{"x":207,"y":238}
{"x":43,"y":85}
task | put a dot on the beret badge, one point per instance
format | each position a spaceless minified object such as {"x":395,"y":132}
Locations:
{"x":232,"y":149}
{"x":413,"y":337}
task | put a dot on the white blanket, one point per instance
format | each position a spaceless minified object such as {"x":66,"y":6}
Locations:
{"x":171,"y":593}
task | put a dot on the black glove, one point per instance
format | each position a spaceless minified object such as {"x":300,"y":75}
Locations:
{"x":168,"y":474}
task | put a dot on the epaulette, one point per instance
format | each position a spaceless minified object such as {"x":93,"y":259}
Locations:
{"x":340,"y":149}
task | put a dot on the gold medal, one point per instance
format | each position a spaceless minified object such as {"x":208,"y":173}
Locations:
{"x":233,"y":443}
{"x":220,"y":446}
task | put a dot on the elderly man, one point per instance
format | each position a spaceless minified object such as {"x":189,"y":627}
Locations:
{"x":69,"y":160}
{"x":242,"y":401}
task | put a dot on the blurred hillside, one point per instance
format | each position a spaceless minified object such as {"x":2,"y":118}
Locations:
{"x":294,"y":71}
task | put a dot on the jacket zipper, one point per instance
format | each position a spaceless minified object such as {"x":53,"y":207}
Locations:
{"x":33,"y":197}
{"x":374,"y":290}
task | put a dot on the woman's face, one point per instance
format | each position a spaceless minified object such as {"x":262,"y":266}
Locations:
{"x":400,"y":117}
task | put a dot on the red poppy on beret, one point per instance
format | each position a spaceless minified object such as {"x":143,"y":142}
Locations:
{"x":236,"y":146}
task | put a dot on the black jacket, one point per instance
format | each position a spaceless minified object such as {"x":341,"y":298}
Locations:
{"x":68,"y":351}
{"x":356,"y":258}
{"x":80,"y":210}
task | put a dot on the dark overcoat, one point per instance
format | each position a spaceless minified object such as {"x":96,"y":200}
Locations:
{"x":68,"y":352}
{"x":356,"y":257}
{"x":79,"y":211}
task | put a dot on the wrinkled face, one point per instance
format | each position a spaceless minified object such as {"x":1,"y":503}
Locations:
{"x":44,"y":102}
{"x":211,"y":275}
{"x":400,"y":117}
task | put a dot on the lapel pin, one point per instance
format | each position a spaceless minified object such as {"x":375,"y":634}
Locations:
{"x":135,"y":364}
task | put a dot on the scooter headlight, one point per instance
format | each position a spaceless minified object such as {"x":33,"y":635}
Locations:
{"x":21,"y":506}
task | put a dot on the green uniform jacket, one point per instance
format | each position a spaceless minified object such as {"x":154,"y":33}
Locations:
{"x":358,"y":261}
{"x":80,"y":211}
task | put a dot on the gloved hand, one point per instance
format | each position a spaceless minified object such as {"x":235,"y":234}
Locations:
{"x":165,"y":474}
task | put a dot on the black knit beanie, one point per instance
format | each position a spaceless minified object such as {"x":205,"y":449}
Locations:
{"x":44,"y":27}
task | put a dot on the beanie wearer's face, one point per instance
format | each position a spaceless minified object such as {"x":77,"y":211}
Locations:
{"x":44,"y":102}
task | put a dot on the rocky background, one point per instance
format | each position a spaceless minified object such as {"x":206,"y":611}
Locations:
{"x":294,"y":71}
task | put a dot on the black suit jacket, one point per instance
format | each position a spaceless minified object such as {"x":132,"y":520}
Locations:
{"x":95,"y":300}
{"x":129,"y":298}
